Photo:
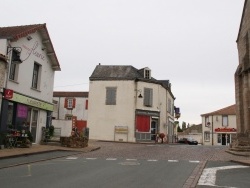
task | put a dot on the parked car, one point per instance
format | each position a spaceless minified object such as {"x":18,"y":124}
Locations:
{"x":189,"y":141}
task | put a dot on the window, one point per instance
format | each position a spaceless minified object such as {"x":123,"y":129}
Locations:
{"x":169,"y":106}
{"x":69,"y":103}
{"x":219,"y":138}
{"x":207,"y":123}
{"x":111,"y":96}
{"x":143,"y":123}
{"x":68,"y":116}
{"x":148,"y":97}
{"x":224,"y":121}
{"x":35,"y":77}
{"x":207,"y":136}
{"x":13,"y":68}
{"x":147,"y":74}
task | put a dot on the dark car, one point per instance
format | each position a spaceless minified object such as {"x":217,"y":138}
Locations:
{"x":189,"y":141}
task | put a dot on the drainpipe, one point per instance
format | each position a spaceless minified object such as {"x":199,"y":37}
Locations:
{"x":212,"y":130}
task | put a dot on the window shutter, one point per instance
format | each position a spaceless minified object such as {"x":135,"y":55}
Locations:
{"x":86,"y":104}
{"x":74,"y":103}
{"x":148,"y":97}
{"x":66,"y":103}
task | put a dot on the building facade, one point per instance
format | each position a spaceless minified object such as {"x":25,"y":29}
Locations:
{"x":127,"y":104}
{"x":27,"y":91}
{"x":242,"y":79}
{"x":219,"y":127}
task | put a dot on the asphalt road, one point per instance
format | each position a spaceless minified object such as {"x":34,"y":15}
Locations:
{"x":127,"y":165}
{"x":98,"y":172}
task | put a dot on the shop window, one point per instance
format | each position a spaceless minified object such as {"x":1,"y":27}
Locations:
{"x":207,"y":136}
{"x":148,"y":97}
{"x":143,"y":123}
{"x":224,"y":121}
{"x":219,"y":138}
{"x":111,"y":95}
{"x":36,"y":76}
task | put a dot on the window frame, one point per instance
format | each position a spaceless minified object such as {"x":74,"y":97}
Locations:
{"x":223,"y":120}
{"x":111,"y":94}
{"x":207,"y":136}
{"x":36,"y":75}
{"x":148,"y":97}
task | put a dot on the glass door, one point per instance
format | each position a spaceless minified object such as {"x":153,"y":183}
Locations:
{"x":32,"y":121}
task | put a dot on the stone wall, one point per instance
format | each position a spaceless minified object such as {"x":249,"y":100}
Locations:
{"x":242,"y":80}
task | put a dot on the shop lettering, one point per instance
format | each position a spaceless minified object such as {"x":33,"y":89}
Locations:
{"x":34,"y":51}
{"x":34,"y":103}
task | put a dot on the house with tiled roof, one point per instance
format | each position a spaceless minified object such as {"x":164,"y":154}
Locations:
{"x":27,"y":91}
{"x":128,"y":104}
{"x":70,"y":109}
{"x":219,"y":127}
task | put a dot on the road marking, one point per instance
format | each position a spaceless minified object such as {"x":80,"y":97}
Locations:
{"x":152,"y":160}
{"x":91,"y":158}
{"x":208,"y":176}
{"x":71,"y":158}
{"x":173,"y":161}
{"x":194,"y":161}
{"x":131,"y":159}
{"x":111,"y":159}
{"x":130,"y":163}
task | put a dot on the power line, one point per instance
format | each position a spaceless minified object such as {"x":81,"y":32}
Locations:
{"x":71,"y":85}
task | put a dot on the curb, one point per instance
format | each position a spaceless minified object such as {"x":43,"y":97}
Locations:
{"x":50,"y":158}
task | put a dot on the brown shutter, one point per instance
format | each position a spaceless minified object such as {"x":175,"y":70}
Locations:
{"x":86,"y":104}
{"x":74,"y":103}
{"x":66,"y":103}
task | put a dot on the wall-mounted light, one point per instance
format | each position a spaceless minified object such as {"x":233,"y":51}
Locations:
{"x":139,"y":91}
{"x":29,"y":37}
{"x":16,"y":53}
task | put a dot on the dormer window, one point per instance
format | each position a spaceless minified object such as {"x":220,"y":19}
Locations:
{"x":147,"y":73}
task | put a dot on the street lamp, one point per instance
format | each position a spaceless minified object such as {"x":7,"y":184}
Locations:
{"x":16,"y":53}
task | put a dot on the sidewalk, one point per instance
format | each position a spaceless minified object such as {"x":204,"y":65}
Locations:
{"x":37,"y":148}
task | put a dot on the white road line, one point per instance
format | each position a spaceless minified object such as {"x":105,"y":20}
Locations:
{"x":194,"y":161}
{"x":111,"y":159}
{"x":91,"y":158}
{"x":173,"y":161}
{"x":208,"y":176}
{"x":131,"y":159}
{"x":70,"y":158}
{"x":152,"y":160}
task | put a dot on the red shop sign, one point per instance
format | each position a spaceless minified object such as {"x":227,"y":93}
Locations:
{"x":225,"y":130}
{"x":8,"y":93}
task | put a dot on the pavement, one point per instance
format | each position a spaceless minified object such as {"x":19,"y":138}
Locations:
{"x":37,"y":148}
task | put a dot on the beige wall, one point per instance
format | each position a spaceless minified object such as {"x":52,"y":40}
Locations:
{"x":217,"y":123}
{"x":102,"y":118}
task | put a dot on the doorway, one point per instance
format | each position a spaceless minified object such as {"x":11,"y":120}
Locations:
{"x":33,"y":120}
{"x":224,"y":139}
{"x":154,"y":128}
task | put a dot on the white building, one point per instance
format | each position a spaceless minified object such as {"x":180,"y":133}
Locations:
{"x":28,"y":87}
{"x":219,"y":127}
{"x":127,"y":104}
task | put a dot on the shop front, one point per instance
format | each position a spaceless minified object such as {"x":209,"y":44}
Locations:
{"x":147,"y":125}
{"x":224,"y":135}
{"x":23,"y":113}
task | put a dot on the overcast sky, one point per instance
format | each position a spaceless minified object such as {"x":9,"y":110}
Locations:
{"x":192,"y":43}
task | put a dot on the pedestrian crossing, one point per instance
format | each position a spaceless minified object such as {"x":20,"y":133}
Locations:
{"x":115,"y":159}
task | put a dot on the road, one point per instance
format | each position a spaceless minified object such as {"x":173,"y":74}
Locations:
{"x":132,"y":165}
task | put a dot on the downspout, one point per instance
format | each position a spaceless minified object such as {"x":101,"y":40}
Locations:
{"x":212,"y":130}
